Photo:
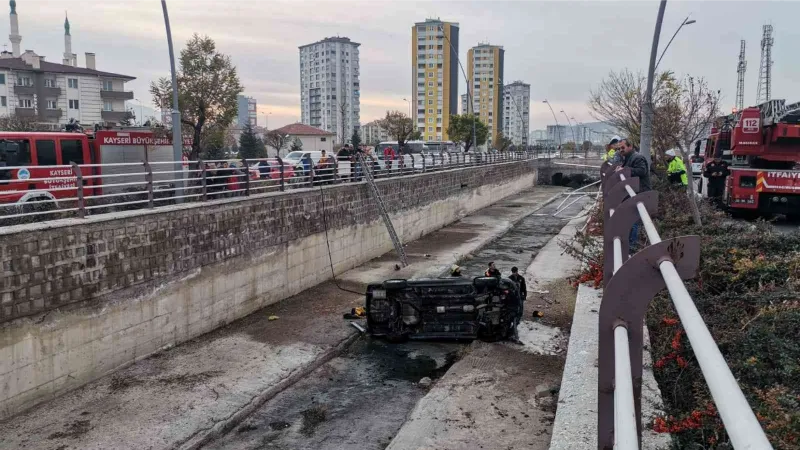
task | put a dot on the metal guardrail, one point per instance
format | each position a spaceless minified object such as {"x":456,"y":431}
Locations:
{"x":87,"y":189}
{"x":631,"y":282}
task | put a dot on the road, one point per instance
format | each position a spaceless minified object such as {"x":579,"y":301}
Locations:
{"x":360,"y":399}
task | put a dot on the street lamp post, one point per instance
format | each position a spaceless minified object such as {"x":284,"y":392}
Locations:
{"x":177,"y":139}
{"x":558,"y":127}
{"x":409,"y":107}
{"x":646,"y":138}
{"x":572,"y":130}
{"x":686,"y":21}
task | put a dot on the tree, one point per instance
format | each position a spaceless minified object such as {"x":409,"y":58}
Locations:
{"x":355,"y":139}
{"x":683,"y":111}
{"x":213,"y":144}
{"x":207,"y":88}
{"x":234,"y":148}
{"x":415,"y":135}
{"x":342,"y":114}
{"x":276,"y":140}
{"x":503,"y":143}
{"x":250,"y":146}
{"x":460,"y":130}
{"x":568,"y":147}
{"x":398,"y":126}
{"x":297,"y":145}
{"x":586,"y":146}
{"x":17,"y":123}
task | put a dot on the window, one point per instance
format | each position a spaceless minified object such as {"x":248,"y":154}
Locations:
{"x":108,"y":85}
{"x":72,"y":83}
{"x":71,"y":151}
{"x":430,"y":119}
{"x":322,"y":139}
{"x":107,"y":106}
{"x":74,"y":104}
{"x":49,"y":82}
{"x":26,"y":103}
{"x":430,"y":83}
{"x":430,"y":129}
{"x":24,"y":81}
{"x":430,"y":102}
{"x":2,"y":78}
{"x":430,"y":74}
{"x":4,"y":101}
{"x":46,"y":153}
{"x":51,"y":104}
{"x":430,"y":111}
{"x":15,"y":152}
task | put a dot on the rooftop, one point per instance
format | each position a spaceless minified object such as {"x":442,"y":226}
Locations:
{"x":299,"y":129}
{"x":340,"y":39}
{"x":19,"y":64}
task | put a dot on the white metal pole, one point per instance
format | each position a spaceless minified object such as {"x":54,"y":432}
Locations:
{"x":625,"y":434}
{"x":177,"y":139}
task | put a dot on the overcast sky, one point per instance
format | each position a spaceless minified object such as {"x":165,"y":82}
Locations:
{"x":561,"y":48}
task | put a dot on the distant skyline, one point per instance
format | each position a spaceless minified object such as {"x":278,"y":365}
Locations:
{"x":562,"y":49}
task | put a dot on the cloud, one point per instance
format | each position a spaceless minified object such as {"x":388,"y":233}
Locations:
{"x":561,"y":48}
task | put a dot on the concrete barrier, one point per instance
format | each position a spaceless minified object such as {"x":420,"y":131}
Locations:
{"x":83,"y":298}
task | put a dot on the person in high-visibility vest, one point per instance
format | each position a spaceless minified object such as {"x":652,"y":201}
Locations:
{"x":676,"y":169}
{"x":611,"y":151}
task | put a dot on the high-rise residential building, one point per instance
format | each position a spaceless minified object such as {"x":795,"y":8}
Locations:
{"x":434,"y":55}
{"x":464,"y":103}
{"x":330,"y":93}
{"x":373,"y":132}
{"x":52,"y":94}
{"x":516,"y":115}
{"x":485,"y":72}
{"x":247,"y":111}
{"x":558,"y":134}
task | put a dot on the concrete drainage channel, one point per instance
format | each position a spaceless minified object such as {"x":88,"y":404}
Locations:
{"x":361,"y":398}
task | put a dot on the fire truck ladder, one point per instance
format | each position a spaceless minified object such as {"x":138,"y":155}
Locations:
{"x":376,"y":195}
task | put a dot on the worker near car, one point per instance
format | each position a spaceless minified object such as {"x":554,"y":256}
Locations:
{"x":716,"y":171}
{"x":676,"y":170}
{"x":520,"y":280}
{"x":492,"y":271}
{"x":611,"y":151}
{"x":639,"y":168}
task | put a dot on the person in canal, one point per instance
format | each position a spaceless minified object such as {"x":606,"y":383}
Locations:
{"x":520,"y":280}
{"x":492,"y":271}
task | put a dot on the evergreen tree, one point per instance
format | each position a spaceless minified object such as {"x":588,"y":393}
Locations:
{"x":249,"y":144}
{"x":356,"y":139}
{"x":297,"y":145}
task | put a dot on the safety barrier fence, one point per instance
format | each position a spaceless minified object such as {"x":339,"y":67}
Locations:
{"x":630,"y":283}
{"x":49,"y":192}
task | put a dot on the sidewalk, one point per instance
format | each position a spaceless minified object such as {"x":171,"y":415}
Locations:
{"x":179,"y":397}
{"x":501,"y":395}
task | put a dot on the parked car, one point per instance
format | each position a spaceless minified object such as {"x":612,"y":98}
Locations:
{"x":295,"y":159}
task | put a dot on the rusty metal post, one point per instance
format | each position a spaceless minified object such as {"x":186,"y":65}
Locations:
{"x":203,"y":179}
{"x":76,"y":170}
{"x":625,"y":303}
{"x":280,"y":161}
{"x":613,"y":178}
{"x":619,"y":225}
{"x":148,"y":177}
{"x":246,"y":177}
{"x":617,"y":194}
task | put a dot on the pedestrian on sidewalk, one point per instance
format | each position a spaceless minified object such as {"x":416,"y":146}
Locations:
{"x":492,"y":271}
{"x":639,"y":168}
{"x":520,"y":280}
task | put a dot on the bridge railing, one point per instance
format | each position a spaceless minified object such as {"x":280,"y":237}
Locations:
{"x":39,"y":193}
{"x":631,"y":282}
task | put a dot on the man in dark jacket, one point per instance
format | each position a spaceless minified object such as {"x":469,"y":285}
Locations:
{"x":639,"y":168}
{"x":492,"y":271}
{"x":520,"y":280}
{"x":716,"y":171}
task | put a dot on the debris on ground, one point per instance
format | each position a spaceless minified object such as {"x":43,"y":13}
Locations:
{"x":356,"y":313}
{"x":358,"y":327}
{"x":271,"y":318}
{"x":425,"y":382}
{"x":537,"y":314}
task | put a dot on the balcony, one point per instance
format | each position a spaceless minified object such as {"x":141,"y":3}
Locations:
{"x":25,"y":112}
{"x":20,"y":89}
{"x":112,"y":116}
{"x":51,"y":91}
{"x":52,"y":113}
{"x":119,"y":95}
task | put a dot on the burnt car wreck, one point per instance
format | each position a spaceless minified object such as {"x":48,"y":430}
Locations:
{"x":487,"y":308}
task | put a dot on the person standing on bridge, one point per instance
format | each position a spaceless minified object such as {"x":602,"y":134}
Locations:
{"x":611,"y":151}
{"x":639,"y":168}
{"x":676,"y":169}
{"x":716,"y":171}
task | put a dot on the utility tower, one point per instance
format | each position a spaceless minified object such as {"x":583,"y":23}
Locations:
{"x":765,"y":72}
{"x":740,"y":69}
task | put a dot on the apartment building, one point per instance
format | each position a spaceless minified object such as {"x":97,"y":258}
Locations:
{"x":516,"y":112}
{"x":246,"y":111}
{"x":485,"y":72}
{"x":373,"y":132}
{"x":434,"y":56}
{"x":330,"y":91}
{"x":50,"y":93}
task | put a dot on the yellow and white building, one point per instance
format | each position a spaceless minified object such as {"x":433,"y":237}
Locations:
{"x":485,"y":72}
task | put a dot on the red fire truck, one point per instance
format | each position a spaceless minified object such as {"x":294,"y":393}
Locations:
{"x":37,"y":164}
{"x":762,"y":146}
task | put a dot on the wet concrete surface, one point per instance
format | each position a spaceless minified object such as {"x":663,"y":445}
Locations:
{"x":361,"y":399}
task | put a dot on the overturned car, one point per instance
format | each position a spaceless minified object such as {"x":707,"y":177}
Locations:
{"x":487,"y":308}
